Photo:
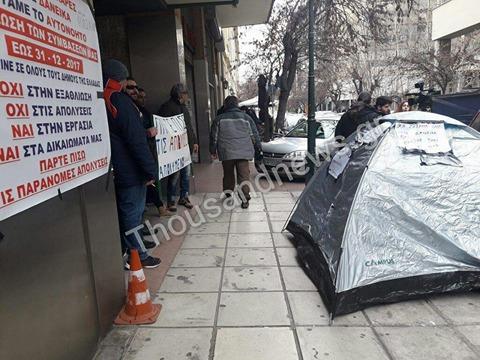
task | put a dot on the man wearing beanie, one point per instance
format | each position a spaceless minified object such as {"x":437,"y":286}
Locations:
{"x":133,"y":164}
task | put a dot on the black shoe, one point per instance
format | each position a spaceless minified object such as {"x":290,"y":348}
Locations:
{"x":151,"y":262}
{"x":245,"y":205}
{"x":171,"y":207}
{"x":149,"y":244}
{"x":185,"y":202}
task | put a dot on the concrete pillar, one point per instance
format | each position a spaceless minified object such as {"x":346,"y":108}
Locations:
{"x":113,"y":39}
{"x":202,"y":91}
{"x":157,"y":54}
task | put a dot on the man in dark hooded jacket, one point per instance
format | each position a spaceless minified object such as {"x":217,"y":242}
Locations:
{"x":133,"y":164}
{"x":176,"y":105}
{"x":359,"y":113}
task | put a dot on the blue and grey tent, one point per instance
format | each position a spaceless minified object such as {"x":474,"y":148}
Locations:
{"x":394,"y":215}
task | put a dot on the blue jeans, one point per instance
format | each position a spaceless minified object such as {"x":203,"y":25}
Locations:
{"x":130,"y":207}
{"x":172,"y":180}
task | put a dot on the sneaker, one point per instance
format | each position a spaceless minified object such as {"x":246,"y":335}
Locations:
{"x":245,"y":205}
{"x":149,"y":244}
{"x":171,"y":207}
{"x":164,"y":212}
{"x":185,"y":202}
{"x":151,"y":262}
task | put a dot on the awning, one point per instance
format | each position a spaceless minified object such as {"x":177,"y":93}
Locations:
{"x":230,"y":13}
{"x":246,"y":12}
{"x":123,"y":7}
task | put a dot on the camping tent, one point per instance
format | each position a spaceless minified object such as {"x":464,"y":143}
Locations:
{"x":394,"y":215}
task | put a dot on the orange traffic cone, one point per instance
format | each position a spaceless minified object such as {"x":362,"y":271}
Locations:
{"x":139,"y":308}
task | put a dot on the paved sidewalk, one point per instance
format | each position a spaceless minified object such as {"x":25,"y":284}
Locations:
{"x":235,"y":292}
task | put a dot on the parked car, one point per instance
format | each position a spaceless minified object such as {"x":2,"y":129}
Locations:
{"x":291,"y":149}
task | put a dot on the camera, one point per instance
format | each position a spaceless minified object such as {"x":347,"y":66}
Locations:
{"x":424,"y":98}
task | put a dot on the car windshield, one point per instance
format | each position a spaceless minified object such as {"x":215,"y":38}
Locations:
{"x":325,"y":129}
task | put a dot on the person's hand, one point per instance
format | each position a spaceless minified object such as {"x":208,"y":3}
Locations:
{"x":214,"y":156}
{"x":195,"y":148}
{"x":152,"y":132}
{"x":151,"y":182}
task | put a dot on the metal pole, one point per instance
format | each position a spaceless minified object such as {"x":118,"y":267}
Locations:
{"x":311,"y":123}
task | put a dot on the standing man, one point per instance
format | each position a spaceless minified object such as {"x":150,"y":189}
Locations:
{"x":131,"y":159}
{"x":233,"y":139}
{"x":176,"y":105}
{"x":138,"y":96}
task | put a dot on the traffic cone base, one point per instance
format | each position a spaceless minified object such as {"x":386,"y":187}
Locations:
{"x":150,"y":318}
{"x":138,"y":308}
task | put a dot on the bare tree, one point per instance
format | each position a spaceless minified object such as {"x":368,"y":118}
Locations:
{"x":343,"y":26}
{"x":440,"y":68}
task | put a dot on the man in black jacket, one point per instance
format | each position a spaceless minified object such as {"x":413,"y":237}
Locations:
{"x":360,"y":113}
{"x":175,"y":106}
{"x":132,"y":161}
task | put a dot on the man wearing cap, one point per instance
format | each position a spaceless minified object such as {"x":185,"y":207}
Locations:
{"x":174,"y":106}
{"x":133,"y":164}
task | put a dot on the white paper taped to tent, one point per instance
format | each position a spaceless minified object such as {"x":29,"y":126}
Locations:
{"x":426,"y":137}
{"x":339,"y":162}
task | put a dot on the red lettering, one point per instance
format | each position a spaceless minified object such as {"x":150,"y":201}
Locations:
{"x":22,"y":131}
{"x":11,"y":89}
{"x":17,"y":111}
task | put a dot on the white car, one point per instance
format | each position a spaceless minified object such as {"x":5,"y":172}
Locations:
{"x":291,"y":150}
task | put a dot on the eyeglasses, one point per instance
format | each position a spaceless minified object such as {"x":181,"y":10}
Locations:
{"x":131,"y":87}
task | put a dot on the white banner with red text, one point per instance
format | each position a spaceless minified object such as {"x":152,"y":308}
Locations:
{"x":172,"y":145}
{"x":53,"y":124}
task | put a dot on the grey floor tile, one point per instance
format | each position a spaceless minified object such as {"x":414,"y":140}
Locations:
{"x":208,"y":241}
{"x":287,"y":256}
{"x":214,"y":217}
{"x":280,"y":207}
{"x":249,"y":217}
{"x":279,"y":215}
{"x":425,"y":343}
{"x":296,"y":194}
{"x":253,"y":309}
{"x":251,"y":208}
{"x":186,"y":310}
{"x":462,"y":309}
{"x":249,"y":227}
{"x":251,"y":279}
{"x":192,"y":280}
{"x":282,"y":239}
{"x":119,"y":336}
{"x":210,"y":228}
{"x":296,"y":279}
{"x":199,"y":258}
{"x":250,"y":257}
{"x":170,"y":344}
{"x":277,"y":194}
{"x":278,"y":226}
{"x":405,"y":313}
{"x":250,"y":240}
{"x":340,"y":343}
{"x":255,"y":344}
{"x":280,"y":200}
{"x":472,"y":333}
{"x":109,"y":353}
{"x":308,"y":309}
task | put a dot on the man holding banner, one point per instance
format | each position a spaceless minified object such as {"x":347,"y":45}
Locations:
{"x":173,"y":107}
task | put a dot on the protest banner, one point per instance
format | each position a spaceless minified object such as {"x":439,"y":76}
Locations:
{"x":172,"y":144}
{"x":53,"y":125}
